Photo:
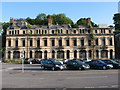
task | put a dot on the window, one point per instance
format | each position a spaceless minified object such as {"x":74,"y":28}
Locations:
{"x":96,"y":41}
{"x":60,"y":42}
{"x":30,"y":31}
{"x":53,"y":54}
{"x":9,"y":42}
{"x":89,"y":42}
{"x":104,"y":30}
{"x":52,"y":31}
{"x":67,"y":42}
{"x":23,"y":43}
{"x":53,"y":42}
{"x":83,"y":30}
{"x":38,"y":43}
{"x":42,"y":32}
{"x":75,"y":42}
{"x":45,"y":42}
{"x":110,"y":31}
{"x":16,"y":43}
{"x":82,"y":42}
{"x":12,"y":32}
{"x":45,"y":31}
{"x":103,"y":42}
{"x":80,"y":31}
{"x":31,"y":43}
{"x":15,"y":31}
{"x":30,"y":54}
{"x":36,"y":31}
{"x":9,"y":32}
{"x":95,"y":31}
{"x":23,"y":32}
{"x":88,"y":31}
{"x":9,"y":54}
{"x":39,"y":32}
{"x":110,"y":41}
{"x":61,"y":31}
{"x":18,"y":31}
{"x":74,"y":31}
{"x":66,"y":31}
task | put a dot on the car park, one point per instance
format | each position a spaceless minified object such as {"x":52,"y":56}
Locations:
{"x":99,"y":64}
{"x":115,"y":64}
{"x":76,"y":64}
{"x":51,"y":64}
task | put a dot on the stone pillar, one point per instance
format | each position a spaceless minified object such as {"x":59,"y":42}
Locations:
{"x":56,"y":41}
{"x":77,"y":54}
{"x":55,"y":54}
{"x":108,"y":54}
{"x":71,"y":54}
{"x":100,"y":54}
{"x":12,"y":55}
{"x":33,"y":53}
{"x":42,"y":54}
{"x":71,"y":42}
{"x":49,"y":42}
{"x":78,"y":42}
{"x":65,"y":56}
{"x":34,"y":42}
{"x":63,"y":42}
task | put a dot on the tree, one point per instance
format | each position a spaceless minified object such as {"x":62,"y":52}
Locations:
{"x":83,"y":21}
{"x":30,"y":21}
{"x":116,"y":19}
{"x":61,"y":19}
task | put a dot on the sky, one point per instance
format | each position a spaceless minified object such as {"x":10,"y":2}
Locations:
{"x":99,"y":12}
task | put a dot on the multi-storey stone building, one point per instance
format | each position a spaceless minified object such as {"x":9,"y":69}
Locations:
{"x":58,"y":41}
{"x":117,"y":46}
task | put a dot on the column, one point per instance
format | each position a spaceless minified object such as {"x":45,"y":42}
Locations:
{"x":77,"y":54}
{"x":71,"y":54}
{"x":34,"y":42}
{"x":63,"y":42}
{"x":100,"y":54}
{"x":108,"y":54}
{"x":33,"y":54}
{"x":65,"y":56}
{"x":78,"y":42}
{"x":11,"y":55}
{"x":42,"y":54}
{"x":71,"y":42}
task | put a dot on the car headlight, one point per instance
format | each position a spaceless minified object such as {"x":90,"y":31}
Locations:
{"x":57,"y":65}
{"x":83,"y":65}
{"x":110,"y":65}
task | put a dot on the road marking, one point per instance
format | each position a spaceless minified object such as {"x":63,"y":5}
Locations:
{"x":103,"y":87}
{"x":114,"y":86}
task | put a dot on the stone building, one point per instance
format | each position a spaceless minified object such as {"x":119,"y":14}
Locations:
{"x":58,"y":41}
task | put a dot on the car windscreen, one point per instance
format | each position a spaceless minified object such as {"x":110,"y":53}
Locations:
{"x":56,"y":62}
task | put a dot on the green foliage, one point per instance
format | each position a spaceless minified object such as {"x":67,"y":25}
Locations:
{"x":29,"y":26}
{"x":83,"y":21}
{"x":61,"y":19}
{"x":116,"y":19}
{"x":116,"y":31}
{"x":13,"y":61}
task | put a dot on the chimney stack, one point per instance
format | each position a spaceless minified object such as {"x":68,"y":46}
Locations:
{"x":11,"y":20}
{"x":49,"y":21}
{"x":89,"y":22}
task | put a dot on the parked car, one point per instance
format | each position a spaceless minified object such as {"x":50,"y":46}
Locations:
{"x":28,"y":60}
{"x":65,"y":61}
{"x":76,"y":64}
{"x":114,"y":63}
{"x":51,"y":64}
{"x":99,"y":64}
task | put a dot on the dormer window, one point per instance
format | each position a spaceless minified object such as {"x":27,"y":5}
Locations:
{"x":66,"y":31}
{"x":23,"y":32}
{"x":95,"y":31}
{"x":52,"y":31}
{"x":9,"y":32}
{"x":74,"y":31}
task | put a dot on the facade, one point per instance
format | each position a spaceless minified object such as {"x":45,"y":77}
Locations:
{"x":117,"y":46}
{"x":58,"y":41}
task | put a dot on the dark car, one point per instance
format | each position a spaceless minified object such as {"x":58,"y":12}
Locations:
{"x":114,"y":63}
{"x":76,"y":64}
{"x":51,"y":64}
{"x":28,"y":60}
{"x":99,"y":64}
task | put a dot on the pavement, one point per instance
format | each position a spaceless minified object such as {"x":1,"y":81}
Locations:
{"x":34,"y":77}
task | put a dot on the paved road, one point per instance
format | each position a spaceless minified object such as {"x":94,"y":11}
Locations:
{"x":34,"y":77}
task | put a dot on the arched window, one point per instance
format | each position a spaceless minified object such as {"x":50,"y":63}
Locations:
{"x":16,"y":54}
{"x":75,"y":54}
{"x":45,"y":54}
{"x":68,"y":54}
{"x":111,"y":54}
{"x":90,"y":54}
{"x":9,"y":54}
{"x":52,"y":31}
{"x":104,"y":54}
{"x":60,"y":54}
{"x":30,"y":54}
{"x":97,"y":54}
{"x":82,"y":54}
{"x":38,"y":54}
{"x":53,"y":54}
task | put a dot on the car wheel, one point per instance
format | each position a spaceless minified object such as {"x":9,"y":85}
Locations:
{"x":104,"y":67}
{"x":80,"y":68}
{"x":42,"y":67}
{"x":53,"y":68}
